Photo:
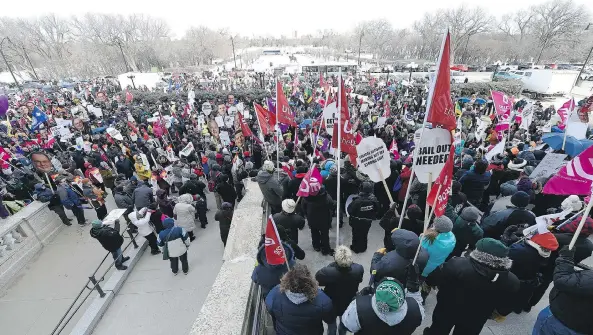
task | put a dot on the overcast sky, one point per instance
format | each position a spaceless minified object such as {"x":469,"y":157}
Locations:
{"x":259,"y":17}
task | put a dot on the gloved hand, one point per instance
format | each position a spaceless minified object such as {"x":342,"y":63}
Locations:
{"x":565,"y":253}
{"x":413,"y":281}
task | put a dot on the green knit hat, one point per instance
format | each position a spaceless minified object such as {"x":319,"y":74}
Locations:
{"x":389,"y":296}
{"x":492,"y":247}
{"x":96,"y":223}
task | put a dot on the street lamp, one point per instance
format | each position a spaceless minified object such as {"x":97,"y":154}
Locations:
{"x":131,"y":77}
{"x":586,"y":60}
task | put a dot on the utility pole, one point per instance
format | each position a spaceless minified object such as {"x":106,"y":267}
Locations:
{"x":30,"y":64}
{"x":123,"y":56}
{"x":233,"y":45}
{"x":7,"y":65}
{"x":586,"y":61}
{"x":359,"y":45}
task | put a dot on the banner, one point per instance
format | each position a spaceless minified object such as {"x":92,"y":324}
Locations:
{"x":564,"y":112}
{"x":187,"y":150}
{"x":440,"y":106}
{"x":244,"y":126}
{"x":225,"y":139}
{"x":312,"y":175}
{"x":431,"y":152}
{"x":573,"y":178}
{"x":444,"y":182}
{"x":373,"y":158}
{"x":273,"y":246}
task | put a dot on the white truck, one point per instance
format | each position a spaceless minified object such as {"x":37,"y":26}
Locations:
{"x":537,"y":83}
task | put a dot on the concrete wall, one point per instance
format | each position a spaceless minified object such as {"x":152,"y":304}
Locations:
{"x":224,"y":308}
{"x":22,"y":236}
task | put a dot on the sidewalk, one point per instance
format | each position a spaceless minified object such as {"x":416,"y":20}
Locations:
{"x":154,"y":301}
{"x":36,"y":300}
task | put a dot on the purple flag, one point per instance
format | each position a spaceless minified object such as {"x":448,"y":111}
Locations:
{"x":271,"y":105}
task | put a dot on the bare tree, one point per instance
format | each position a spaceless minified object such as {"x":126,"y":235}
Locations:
{"x":464,"y":23}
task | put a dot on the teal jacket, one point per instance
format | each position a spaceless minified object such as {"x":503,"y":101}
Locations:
{"x":438,"y":251}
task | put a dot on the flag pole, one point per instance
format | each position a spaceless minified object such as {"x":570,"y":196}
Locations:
{"x":339,"y":147}
{"x":387,"y":189}
{"x":581,"y":224}
{"x":277,"y":130}
{"x":260,"y":131}
{"x":280,"y":240}
{"x":566,"y":123}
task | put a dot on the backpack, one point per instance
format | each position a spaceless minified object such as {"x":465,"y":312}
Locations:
{"x":212,"y":182}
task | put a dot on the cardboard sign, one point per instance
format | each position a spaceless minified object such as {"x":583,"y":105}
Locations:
{"x":80,"y":142}
{"x":431,"y":152}
{"x":225,"y":139}
{"x":364,"y":108}
{"x":373,"y":158}
{"x":109,"y":220}
{"x":115,"y":134}
{"x":329,"y":116}
{"x":187,"y":150}
{"x":95,"y":110}
{"x":548,"y":166}
{"x":219,"y":121}
{"x":229,"y":121}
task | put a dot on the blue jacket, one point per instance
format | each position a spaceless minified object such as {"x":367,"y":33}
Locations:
{"x":438,"y":251}
{"x":266,"y":275}
{"x":295,"y":315}
{"x":68,"y":197}
{"x":474,"y":184}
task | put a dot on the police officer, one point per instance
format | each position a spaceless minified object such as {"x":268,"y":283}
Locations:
{"x":363,"y":210}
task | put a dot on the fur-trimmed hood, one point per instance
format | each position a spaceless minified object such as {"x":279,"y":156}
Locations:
{"x":490,"y":266}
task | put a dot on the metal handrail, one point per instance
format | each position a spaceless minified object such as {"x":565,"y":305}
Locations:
{"x":58,"y":330}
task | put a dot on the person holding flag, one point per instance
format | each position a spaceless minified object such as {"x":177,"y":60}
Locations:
{"x":318,"y":207}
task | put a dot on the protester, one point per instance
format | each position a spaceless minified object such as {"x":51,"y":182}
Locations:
{"x":270,"y":186}
{"x":318,"y":208}
{"x":363,"y":210}
{"x":267,"y":275}
{"x":224,"y":216}
{"x":184,"y":213}
{"x":141,"y":220}
{"x":289,"y":220}
{"x":110,"y":240}
{"x":175,"y":243}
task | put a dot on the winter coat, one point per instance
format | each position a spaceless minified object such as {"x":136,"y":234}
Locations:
{"x":466,"y":234}
{"x":185,"y":213}
{"x":270,"y":187}
{"x":473,"y":185}
{"x":193,"y":187}
{"x":500,"y":204}
{"x":331,"y":186}
{"x":291,"y":223}
{"x":126,"y":167}
{"x":340,"y":284}
{"x":405,"y":179}
{"x":68,"y":197}
{"x":267,"y":276}
{"x":395,"y":263}
{"x":438,"y":250}
{"x":319,"y":209}
{"x":292,"y":187}
{"x":294,"y":314}
{"x":143,"y":224}
{"x":224,"y":218}
{"x":363,"y":209}
{"x":165,"y":204}
{"x":471,"y":288}
{"x":527,"y":262}
{"x":494,"y":224}
{"x":227,"y":192}
{"x":142,"y":172}
{"x":176,"y":238}
{"x":109,"y":237}
{"x":122,"y":200}
{"x":142,"y":196}
{"x":571,"y":298}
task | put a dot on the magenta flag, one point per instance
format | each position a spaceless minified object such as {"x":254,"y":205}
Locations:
{"x":564,"y":112}
{"x":503,"y":105}
{"x":394,"y":150}
{"x":573,"y":178}
{"x":312,"y":175}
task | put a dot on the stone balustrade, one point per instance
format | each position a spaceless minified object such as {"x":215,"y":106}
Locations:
{"x":22,"y":236}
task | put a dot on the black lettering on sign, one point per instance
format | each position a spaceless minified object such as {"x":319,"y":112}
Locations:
{"x":433,"y":155}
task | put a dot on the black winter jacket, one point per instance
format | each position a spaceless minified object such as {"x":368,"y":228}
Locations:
{"x":341,"y":284}
{"x":291,"y":223}
{"x":319,"y":209}
{"x":109,"y":237}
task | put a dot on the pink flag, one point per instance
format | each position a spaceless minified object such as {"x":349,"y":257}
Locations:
{"x":503,"y":105}
{"x":564,"y":112}
{"x":312,"y":175}
{"x":573,"y":178}
{"x":394,"y":150}
{"x":5,"y":158}
{"x":387,"y":109}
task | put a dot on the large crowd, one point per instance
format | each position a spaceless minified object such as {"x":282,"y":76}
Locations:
{"x":74,"y":147}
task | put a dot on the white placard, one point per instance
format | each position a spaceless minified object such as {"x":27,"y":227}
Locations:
{"x":229,"y":121}
{"x":109,"y":220}
{"x":431,"y":152}
{"x":206,"y":108}
{"x":232,"y":110}
{"x":548,"y":166}
{"x":219,"y":121}
{"x":80,"y":142}
{"x":497,"y":149}
{"x":373,"y":158}
{"x":115,"y":133}
{"x":329,"y":116}
{"x":187,"y":150}
{"x":381,"y":121}
{"x":364,"y":108}
{"x":240,"y":107}
{"x":95,"y":110}
{"x":225,"y":139}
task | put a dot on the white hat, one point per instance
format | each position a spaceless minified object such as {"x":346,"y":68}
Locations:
{"x":268,"y":166}
{"x":288,"y":205}
{"x":573,"y":203}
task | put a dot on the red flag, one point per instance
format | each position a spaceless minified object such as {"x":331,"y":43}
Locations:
{"x":444,"y":180}
{"x":348,"y":141}
{"x":263,"y":117}
{"x":245,"y":127}
{"x":283,"y":113}
{"x":574,"y":177}
{"x":441,"y":110}
{"x":312,"y":175}
{"x":394,"y":150}
{"x":387,"y":109}
{"x":273,"y":246}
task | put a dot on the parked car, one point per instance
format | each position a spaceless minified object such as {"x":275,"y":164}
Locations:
{"x":460,"y":67}
{"x":503,"y":75}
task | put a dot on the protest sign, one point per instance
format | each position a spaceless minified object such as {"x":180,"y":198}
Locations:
{"x":95,"y":110}
{"x":431,"y":152}
{"x":170,"y":155}
{"x":381,"y":121}
{"x":224,"y":138}
{"x":364,"y":108}
{"x":113,"y":215}
{"x":548,"y":166}
{"x":187,"y":150}
{"x":373,"y":158}
{"x":201,"y":119}
{"x":80,"y":142}
{"x":232,"y":110}
{"x":206,"y":108}
{"x":329,"y":116}
{"x":240,"y":107}
{"x":115,"y":134}
{"x":229,"y":121}
{"x":219,"y":121}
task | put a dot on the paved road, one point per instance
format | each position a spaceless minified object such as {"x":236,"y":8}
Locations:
{"x":153,"y":301}
{"x":514,"y":324}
